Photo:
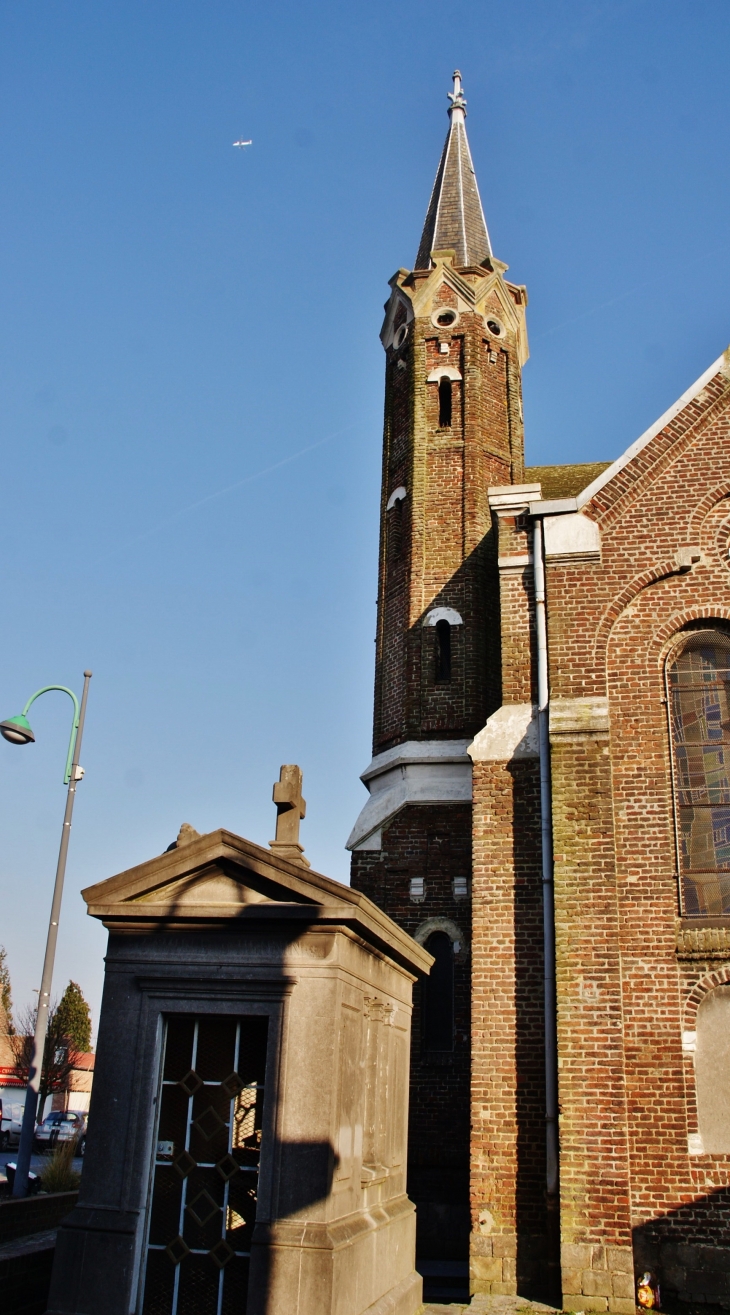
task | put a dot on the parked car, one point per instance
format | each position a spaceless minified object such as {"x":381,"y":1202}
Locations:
{"x":12,"y":1118}
{"x":60,"y":1126}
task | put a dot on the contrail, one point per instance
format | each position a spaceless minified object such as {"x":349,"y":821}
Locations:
{"x":219,"y":493}
{"x":534,"y":337}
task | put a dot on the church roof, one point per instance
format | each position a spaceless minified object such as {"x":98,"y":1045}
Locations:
{"x":455,"y":218}
{"x":695,"y":394}
{"x":564,"y":481}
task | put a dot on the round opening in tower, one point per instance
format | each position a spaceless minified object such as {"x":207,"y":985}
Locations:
{"x":445,"y":318}
{"x":495,"y":327}
{"x":400,"y":336}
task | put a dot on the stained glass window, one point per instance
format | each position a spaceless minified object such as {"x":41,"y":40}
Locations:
{"x":699,"y":696}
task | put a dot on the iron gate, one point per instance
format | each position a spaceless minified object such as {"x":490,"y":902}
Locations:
{"x":205,"y":1177}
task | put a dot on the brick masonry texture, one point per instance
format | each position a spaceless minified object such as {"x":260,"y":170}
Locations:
{"x":631,"y":969}
{"x":508,"y":1248}
{"x":438,"y":549}
{"x":433,"y":843}
{"x":625,"y":979}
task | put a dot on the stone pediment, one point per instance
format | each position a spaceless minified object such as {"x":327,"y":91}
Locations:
{"x":212,"y":886}
{"x":222,"y":879}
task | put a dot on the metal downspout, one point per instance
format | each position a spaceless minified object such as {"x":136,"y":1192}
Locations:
{"x":548,"y":910}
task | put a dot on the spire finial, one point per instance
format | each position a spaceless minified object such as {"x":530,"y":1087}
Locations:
{"x":457,"y":98}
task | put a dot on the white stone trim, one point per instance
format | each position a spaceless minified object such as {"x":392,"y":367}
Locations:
{"x":510,"y":733}
{"x":583,"y":716}
{"x":396,"y":496}
{"x":416,"y":751}
{"x":430,"y":925}
{"x":443,"y":372}
{"x":517,"y":562}
{"x":571,"y":538}
{"x":417,"y":772}
{"x":720,"y":366}
{"x":437,"y":614}
{"x":509,"y":499}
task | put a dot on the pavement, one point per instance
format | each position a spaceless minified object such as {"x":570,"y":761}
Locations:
{"x":484,"y":1305}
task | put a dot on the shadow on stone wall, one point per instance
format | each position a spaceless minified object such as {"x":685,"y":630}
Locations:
{"x":538,"y":1241}
{"x":307,"y":1173}
{"x":689,"y":1250}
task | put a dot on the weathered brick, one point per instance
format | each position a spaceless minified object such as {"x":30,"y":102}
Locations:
{"x":629,"y":978}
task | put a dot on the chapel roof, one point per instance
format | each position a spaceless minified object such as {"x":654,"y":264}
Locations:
{"x":455,"y":218}
{"x":565,"y":481}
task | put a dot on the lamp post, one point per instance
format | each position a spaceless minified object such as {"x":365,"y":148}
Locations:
{"x":17,"y":731}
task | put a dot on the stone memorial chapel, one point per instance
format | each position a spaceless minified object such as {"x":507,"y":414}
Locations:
{"x":549,"y":800}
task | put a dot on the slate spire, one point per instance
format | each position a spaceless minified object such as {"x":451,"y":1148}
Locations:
{"x":455,"y":218}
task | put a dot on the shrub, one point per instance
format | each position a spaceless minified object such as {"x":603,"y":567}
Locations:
{"x":58,"y":1173}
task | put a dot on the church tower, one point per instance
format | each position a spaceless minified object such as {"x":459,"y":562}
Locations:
{"x":455,"y":341}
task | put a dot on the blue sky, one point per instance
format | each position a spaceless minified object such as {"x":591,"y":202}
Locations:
{"x":191,"y":377}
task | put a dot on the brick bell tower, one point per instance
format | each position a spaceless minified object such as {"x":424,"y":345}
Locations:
{"x":455,"y":340}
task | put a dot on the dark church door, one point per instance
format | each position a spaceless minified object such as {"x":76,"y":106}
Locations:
{"x":205,"y":1177}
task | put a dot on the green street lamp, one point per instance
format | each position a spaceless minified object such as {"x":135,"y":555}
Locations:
{"x":17,"y":730}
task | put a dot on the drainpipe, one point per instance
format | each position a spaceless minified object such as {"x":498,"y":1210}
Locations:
{"x":548,"y":913}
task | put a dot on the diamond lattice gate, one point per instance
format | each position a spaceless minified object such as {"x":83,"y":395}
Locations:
{"x":205,"y":1177}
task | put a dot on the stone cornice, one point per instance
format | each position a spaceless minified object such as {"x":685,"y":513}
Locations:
{"x":702,"y":942}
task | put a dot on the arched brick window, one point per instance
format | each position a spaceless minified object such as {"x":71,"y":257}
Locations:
{"x":712,"y":1071}
{"x":444,"y":402}
{"x":438,"y":994}
{"x":698,"y":691}
{"x":443,"y":652}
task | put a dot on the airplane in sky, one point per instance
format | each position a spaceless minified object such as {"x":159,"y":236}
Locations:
{"x":249,"y":143}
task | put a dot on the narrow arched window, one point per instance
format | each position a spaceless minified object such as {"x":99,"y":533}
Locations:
{"x":443,"y":652}
{"x":712,"y":1071}
{"x":438,"y":994}
{"x":395,"y":529}
{"x":444,"y":402}
{"x":698,"y":688}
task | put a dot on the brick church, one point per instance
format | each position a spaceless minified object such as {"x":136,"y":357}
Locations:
{"x":549,"y":800}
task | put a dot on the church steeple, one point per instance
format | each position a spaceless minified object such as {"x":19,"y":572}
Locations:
{"x":455,"y":218}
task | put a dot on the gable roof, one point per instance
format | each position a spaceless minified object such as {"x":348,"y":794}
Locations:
{"x":697,"y":399}
{"x":719,"y":367}
{"x":222,"y":881}
{"x":564,"y":481}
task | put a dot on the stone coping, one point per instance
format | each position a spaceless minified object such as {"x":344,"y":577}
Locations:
{"x":29,"y":1246}
{"x":29,"y":1215}
{"x":488,"y":1305}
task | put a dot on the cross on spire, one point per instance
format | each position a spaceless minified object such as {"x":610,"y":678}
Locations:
{"x":455,"y":219}
{"x":457,"y":97}
{"x":290,"y":809}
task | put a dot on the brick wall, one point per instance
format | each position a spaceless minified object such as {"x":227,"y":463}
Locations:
{"x":626,"y":968}
{"x":433,"y":843}
{"x":509,"y":1226}
{"x":634,"y":1191}
{"x":436,"y":548}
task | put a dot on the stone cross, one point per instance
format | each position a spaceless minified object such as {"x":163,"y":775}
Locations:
{"x":290,"y":809}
